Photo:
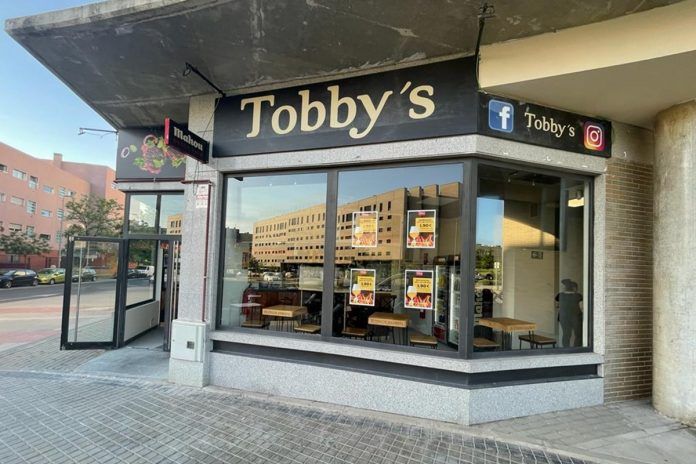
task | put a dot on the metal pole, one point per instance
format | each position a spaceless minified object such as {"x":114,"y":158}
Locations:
{"x":79,"y":282}
{"x":60,"y":238}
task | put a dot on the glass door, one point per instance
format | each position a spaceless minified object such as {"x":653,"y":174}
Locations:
{"x":92,"y":293}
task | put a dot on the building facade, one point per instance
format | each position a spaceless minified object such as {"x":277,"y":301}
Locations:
{"x":33,"y":194}
{"x":536,"y":255}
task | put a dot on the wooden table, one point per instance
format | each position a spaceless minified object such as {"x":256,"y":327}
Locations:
{"x":253,"y":318}
{"x":507,"y":326}
{"x":285,"y":312}
{"x":393,"y":321}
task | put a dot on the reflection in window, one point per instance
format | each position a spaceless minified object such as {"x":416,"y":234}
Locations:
{"x":397,"y":274}
{"x":530,"y":271}
{"x":274,"y":253}
{"x":171,"y":214}
{"x":142,"y":259}
{"x":141,"y":214}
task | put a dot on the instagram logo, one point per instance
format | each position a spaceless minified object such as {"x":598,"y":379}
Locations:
{"x":594,"y":136}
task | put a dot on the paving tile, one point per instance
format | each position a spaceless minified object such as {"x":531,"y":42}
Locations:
{"x":57,"y":418}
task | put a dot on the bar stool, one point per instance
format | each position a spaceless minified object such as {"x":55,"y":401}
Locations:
{"x":422,"y":340}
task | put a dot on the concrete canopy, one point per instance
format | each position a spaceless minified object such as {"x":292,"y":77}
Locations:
{"x":125,"y":57}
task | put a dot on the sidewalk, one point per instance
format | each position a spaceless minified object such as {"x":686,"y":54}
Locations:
{"x":67,"y":407}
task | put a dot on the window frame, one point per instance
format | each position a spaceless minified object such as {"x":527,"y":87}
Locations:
{"x":126,"y":212}
{"x":469,"y":197}
{"x":147,"y":236}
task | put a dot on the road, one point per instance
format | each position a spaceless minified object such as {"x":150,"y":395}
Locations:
{"x":28,"y":314}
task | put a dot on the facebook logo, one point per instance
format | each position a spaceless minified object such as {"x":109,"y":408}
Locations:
{"x":500,"y":116}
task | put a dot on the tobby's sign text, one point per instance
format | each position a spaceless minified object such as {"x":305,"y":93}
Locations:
{"x":423,"y":101}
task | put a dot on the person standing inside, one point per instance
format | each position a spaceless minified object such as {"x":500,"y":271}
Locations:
{"x":570,"y":313}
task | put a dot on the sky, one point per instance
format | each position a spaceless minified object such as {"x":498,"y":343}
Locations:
{"x":39,"y":115}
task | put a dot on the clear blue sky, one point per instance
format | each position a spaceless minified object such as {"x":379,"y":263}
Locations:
{"x":39,"y":115}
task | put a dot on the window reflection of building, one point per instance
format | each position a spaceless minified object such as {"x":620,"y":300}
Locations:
{"x":238,"y":249}
{"x":174,"y":224}
{"x":298,"y":237}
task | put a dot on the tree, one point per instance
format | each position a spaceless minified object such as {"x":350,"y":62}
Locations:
{"x":93,"y":216}
{"x":18,"y":243}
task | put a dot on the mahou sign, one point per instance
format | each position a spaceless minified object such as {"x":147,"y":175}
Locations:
{"x":425,"y":101}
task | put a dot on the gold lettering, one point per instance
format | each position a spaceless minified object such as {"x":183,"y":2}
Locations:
{"x":426,"y":103}
{"x":292,"y":119}
{"x":372,"y":113}
{"x":256,"y":113}
{"x":335,"y":104}
{"x":307,"y":106}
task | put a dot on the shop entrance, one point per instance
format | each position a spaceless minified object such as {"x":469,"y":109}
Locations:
{"x":119,"y":290}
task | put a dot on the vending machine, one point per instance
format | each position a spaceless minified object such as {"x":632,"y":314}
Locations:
{"x":447,"y":300}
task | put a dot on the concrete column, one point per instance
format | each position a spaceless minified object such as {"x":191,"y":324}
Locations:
{"x":188,"y":364}
{"x":674,"y":325}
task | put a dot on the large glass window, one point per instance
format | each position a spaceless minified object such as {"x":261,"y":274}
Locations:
{"x":397,"y":256}
{"x":397,"y":247}
{"x":530,"y":271}
{"x":273,"y":267}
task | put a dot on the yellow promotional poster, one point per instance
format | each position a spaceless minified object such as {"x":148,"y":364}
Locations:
{"x":362,"y":287}
{"x":422,"y":228}
{"x":364,"y":229}
{"x":418,"y":289}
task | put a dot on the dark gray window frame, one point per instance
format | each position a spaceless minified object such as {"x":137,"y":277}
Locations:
{"x":155,"y":237}
{"x":469,"y":195}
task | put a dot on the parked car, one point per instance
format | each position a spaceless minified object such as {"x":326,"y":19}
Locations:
{"x":88,"y":275}
{"x":18,"y":277}
{"x":135,"y":274}
{"x":51,"y":275}
{"x":148,"y":271}
{"x":272,"y":277}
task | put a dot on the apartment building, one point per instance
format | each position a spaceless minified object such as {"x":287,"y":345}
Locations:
{"x":33,"y":195}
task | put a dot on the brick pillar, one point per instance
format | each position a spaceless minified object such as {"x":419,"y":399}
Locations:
{"x":628,"y":279}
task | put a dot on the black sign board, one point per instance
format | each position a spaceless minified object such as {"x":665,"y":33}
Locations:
{"x":186,"y":142}
{"x":143,"y":155}
{"x":432,"y":100}
{"x":547,"y":127}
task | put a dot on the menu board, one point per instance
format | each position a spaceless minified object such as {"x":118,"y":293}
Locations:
{"x":364,"y":233}
{"x":418,"y":290}
{"x":422,"y":227}
{"x":362,"y":287}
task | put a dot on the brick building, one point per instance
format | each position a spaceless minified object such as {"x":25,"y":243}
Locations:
{"x":33,"y":194}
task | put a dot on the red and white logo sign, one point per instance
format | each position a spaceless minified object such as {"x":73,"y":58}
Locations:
{"x":594,"y":136}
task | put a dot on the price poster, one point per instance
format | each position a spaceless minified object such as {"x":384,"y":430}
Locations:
{"x":422,"y":226}
{"x":362,"y":287}
{"x":418,"y":290}
{"x":364,"y":229}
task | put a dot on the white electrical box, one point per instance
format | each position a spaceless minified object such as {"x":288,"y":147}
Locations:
{"x":188,"y":340}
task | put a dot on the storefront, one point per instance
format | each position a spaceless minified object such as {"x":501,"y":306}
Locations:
{"x":387,"y":225}
{"x":395,"y":259}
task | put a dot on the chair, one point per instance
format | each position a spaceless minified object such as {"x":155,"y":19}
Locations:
{"x":356,"y":332}
{"x":537,"y":341}
{"x":307,"y":328}
{"x":422,"y":340}
{"x":309,"y":324}
{"x":485,"y":344}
